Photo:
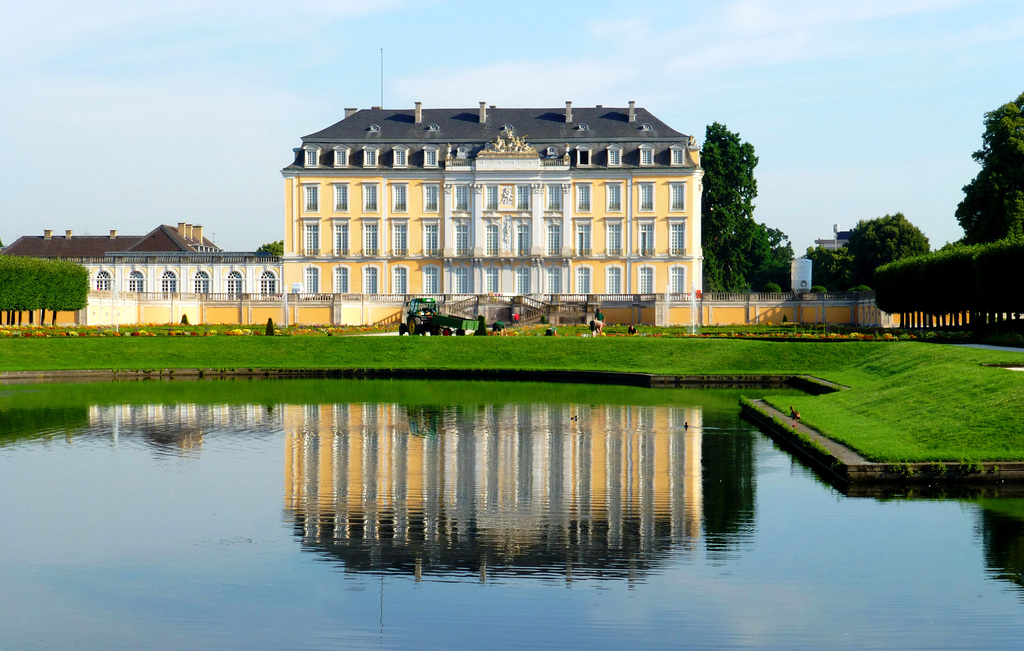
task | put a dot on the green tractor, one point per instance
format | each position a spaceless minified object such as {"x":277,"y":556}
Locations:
{"x":422,"y":317}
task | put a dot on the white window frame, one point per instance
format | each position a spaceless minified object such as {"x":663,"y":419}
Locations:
{"x":584,"y":197}
{"x":608,"y":191}
{"x":491,"y":197}
{"x":584,"y":156}
{"x":522,"y":279}
{"x":310,"y":156}
{"x":646,"y":155}
{"x":584,"y":279}
{"x":641,"y":274}
{"x":674,"y":227}
{"x":492,"y":280}
{"x":341,"y":156}
{"x":341,"y":197}
{"x":461,"y":194}
{"x":311,"y":197}
{"x":371,"y":197}
{"x":400,"y":239}
{"x":613,"y":231}
{"x":400,"y":197}
{"x":677,"y":279}
{"x":136,"y":281}
{"x":431,"y":198}
{"x":492,"y":238}
{"x":554,"y":197}
{"x":523,"y":197}
{"x":460,"y":231}
{"x":268,"y":282}
{"x":342,"y":279}
{"x":104,"y":280}
{"x":431,"y":279}
{"x":169,"y":282}
{"x":615,"y":156}
{"x":431,"y":231}
{"x":523,"y":237}
{"x":645,"y":230}
{"x":645,"y":203}
{"x":553,"y":279}
{"x":235,"y":282}
{"x":614,"y":285}
{"x":584,"y":238}
{"x":675,"y":189}
{"x":371,"y":279}
{"x":553,"y":237}
{"x":430,"y":156}
{"x":371,"y":156}
{"x":371,"y":238}
{"x":400,"y":279}
{"x":677,"y":156}
{"x":342,"y":238}
{"x":311,"y":238}
{"x":400,"y":155}
{"x":312,"y":280}
{"x":462,"y":281}
{"x":201,"y":282}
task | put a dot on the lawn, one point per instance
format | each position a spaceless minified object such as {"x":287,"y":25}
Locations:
{"x":907,"y":401}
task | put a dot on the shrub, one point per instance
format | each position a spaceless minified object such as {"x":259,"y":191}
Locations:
{"x":819,"y":289}
{"x":543,"y":319}
{"x":772,"y":288}
{"x":184,"y":319}
{"x":270,"y":328}
{"x":860,"y":288}
{"x":481,"y":326}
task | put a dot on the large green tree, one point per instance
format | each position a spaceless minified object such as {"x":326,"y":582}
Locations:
{"x":993,"y":203}
{"x":772,"y":257}
{"x":879,"y":241}
{"x":831,"y":268}
{"x":273,"y":248}
{"x":728,"y":230}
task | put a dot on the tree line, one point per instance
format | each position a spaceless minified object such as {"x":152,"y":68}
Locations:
{"x":31,"y":284}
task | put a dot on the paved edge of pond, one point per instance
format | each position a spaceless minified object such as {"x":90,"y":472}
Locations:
{"x":846,"y":468}
{"x":648,"y":380}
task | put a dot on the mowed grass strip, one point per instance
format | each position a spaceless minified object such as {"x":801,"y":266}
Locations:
{"x":907,"y":401}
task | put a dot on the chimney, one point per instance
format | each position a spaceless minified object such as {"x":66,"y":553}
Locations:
{"x":483,"y":112}
{"x":419,"y":112}
{"x":188,"y":231}
{"x":68,"y":233}
{"x":113,"y":234}
{"x":632,"y":111}
{"x":197,"y":233}
{"x":181,"y":229}
{"x":47,"y":234}
{"x":349,"y":112}
{"x":374,"y":108}
{"x":568,"y":112}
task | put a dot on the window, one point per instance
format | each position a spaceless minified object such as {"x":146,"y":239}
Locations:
{"x":461,"y":237}
{"x":614,"y":192}
{"x":583,"y":156}
{"x":431,"y":198}
{"x":430,"y":157}
{"x":554,"y":280}
{"x":341,"y":157}
{"x":646,"y":155}
{"x":370,"y":197}
{"x":341,"y":197}
{"x":202,"y":282}
{"x":583,"y":197}
{"x":371,"y":281}
{"x":677,"y":280}
{"x":431,"y":240}
{"x":614,"y":157}
{"x":646,"y":278}
{"x":614,"y":238}
{"x":522,"y":238}
{"x":136,"y":282}
{"x":400,"y":198}
{"x":646,"y":197}
{"x":677,"y":197}
{"x":646,"y":243}
{"x":583,"y":280}
{"x":522,"y":280}
{"x":312,"y":280}
{"x":583,"y":244}
{"x":312,"y":239}
{"x":312,"y":196}
{"x":103,"y":281}
{"x":169,"y":282}
{"x":341,"y":238}
{"x":400,"y":280}
{"x":554,"y":197}
{"x":369,"y":157}
{"x":312,"y":157}
{"x":522,"y":197}
{"x":341,"y":280}
{"x":491,"y":280}
{"x":460,"y":278}
{"x":400,"y":239}
{"x":554,"y":238}
{"x":268,"y":283}
{"x":371,"y":240}
{"x":677,"y":238}
{"x":614,"y":280}
{"x":677,"y":155}
{"x":236,"y":284}
{"x":491,"y":235}
{"x":401,"y":156}
{"x":462,"y":197}
{"x":491,"y":197}
{"x":431,"y":280}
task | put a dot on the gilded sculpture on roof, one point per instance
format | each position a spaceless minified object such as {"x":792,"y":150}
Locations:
{"x":508,"y":142}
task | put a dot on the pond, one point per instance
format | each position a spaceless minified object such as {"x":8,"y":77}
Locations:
{"x":308,"y":514}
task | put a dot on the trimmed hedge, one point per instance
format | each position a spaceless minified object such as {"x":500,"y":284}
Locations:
{"x":28,"y":284}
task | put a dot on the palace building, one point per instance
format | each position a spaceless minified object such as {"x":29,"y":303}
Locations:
{"x":522,"y":201}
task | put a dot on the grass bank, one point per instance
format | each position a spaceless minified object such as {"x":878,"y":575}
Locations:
{"x":907,"y":402}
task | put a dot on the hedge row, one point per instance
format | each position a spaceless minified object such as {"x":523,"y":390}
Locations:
{"x":983,"y":278}
{"x":32,"y":284}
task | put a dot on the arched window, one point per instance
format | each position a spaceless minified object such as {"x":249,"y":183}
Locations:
{"x":554,"y":280}
{"x":202,"y":282}
{"x":268,"y":283}
{"x":236,"y":284}
{"x":677,"y":280}
{"x":103,"y":281}
{"x":400,"y":283}
{"x":583,"y":280}
{"x":169,"y":282}
{"x":460,"y":278}
{"x":614,"y":280}
{"x":371,"y":284}
{"x":312,"y":280}
{"x":645,"y":276}
{"x":431,"y":280}
{"x":491,"y":280}
{"x":522,"y":280}
{"x":136,"y":282}
{"x":341,"y":280}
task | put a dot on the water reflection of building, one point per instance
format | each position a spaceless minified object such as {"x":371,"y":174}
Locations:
{"x":178,"y":427}
{"x":598,"y":491}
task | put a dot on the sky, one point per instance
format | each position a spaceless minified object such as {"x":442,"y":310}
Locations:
{"x":121,"y":114}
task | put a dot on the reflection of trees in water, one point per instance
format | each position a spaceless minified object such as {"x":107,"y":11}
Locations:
{"x":1003,"y":539}
{"x":728,"y":490}
{"x":38,"y":422}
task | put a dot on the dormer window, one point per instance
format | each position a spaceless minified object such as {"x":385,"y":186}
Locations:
{"x":433,"y":127}
{"x":430,"y":156}
{"x":369,"y":157}
{"x":677,"y":155}
{"x":645,"y":127}
{"x":401,"y":154}
{"x":312,"y":156}
{"x":462,"y":152}
{"x":341,"y":156}
{"x":583,"y":126}
{"x":583,"y":156}
{"x":552,"y":152}
{"x":646,"y":155}
{"x":615,"y":156}
{"x":375,"y":128}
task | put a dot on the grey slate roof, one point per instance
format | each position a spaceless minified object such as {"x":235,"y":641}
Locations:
{"x":162,"y":238}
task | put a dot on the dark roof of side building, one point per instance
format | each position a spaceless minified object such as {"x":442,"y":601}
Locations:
{"x":162,"y":238}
